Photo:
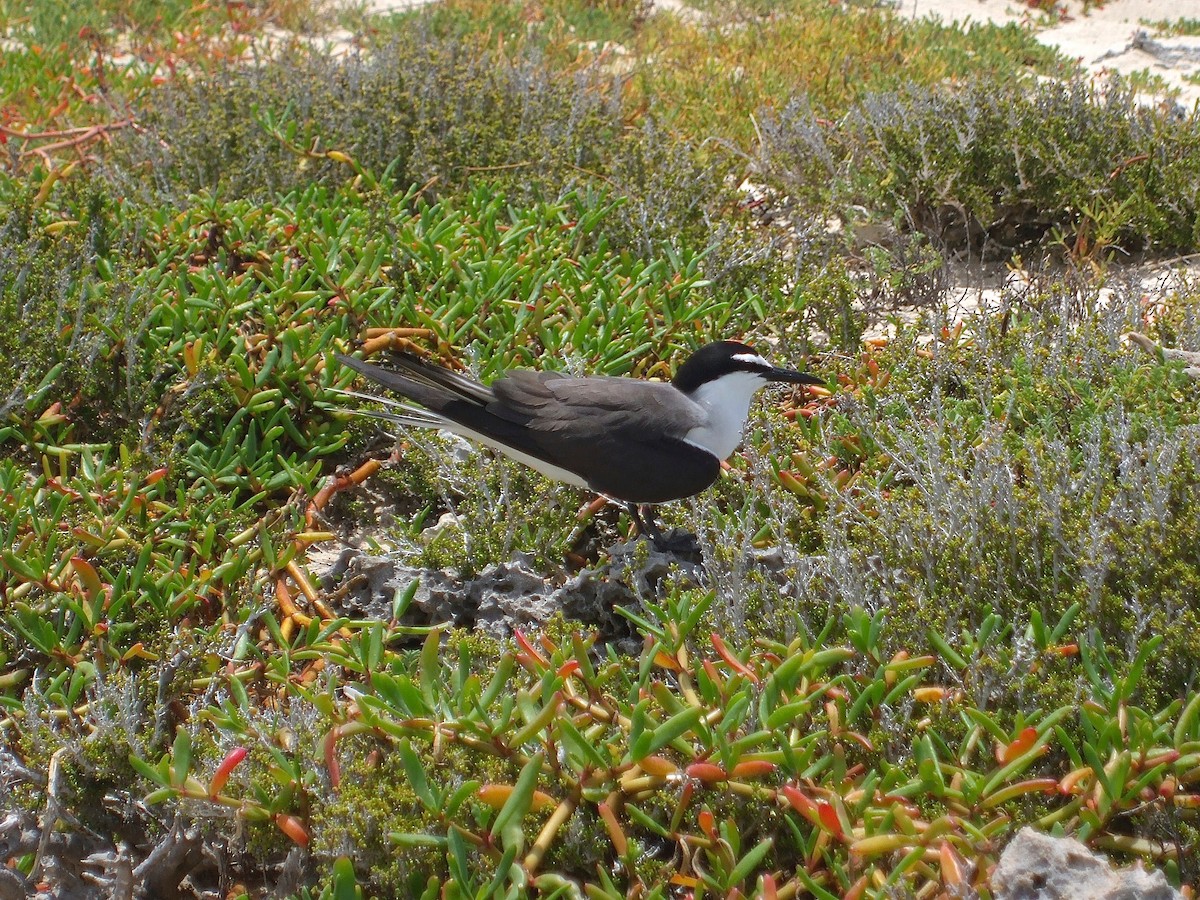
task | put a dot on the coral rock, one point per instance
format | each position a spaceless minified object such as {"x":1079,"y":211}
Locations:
{"x":1037,"y":866}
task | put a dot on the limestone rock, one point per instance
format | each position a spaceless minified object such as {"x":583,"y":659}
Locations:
{"x":1038,"y":866}
{"x":507,"y":595}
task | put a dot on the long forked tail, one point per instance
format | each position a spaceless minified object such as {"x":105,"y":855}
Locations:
{"x":417,"y":371}
{"x":438,"y":397}
{"x":398,"y":412}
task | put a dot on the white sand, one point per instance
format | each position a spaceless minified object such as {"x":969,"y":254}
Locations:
{"x":1112,"y":37}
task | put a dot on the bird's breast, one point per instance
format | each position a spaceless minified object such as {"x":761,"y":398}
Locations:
{"x":724,"y":406}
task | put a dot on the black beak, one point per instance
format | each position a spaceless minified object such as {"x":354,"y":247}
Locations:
{"x":791,"y":376}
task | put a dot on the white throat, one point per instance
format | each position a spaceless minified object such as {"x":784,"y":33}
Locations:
{"x":726,"y":404}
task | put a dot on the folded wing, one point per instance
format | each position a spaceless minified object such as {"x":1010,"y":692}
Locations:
{"x":611,"y":433}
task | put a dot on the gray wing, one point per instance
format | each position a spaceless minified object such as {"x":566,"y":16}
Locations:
{"x":547,"y":401}
{"x":612,"y":431}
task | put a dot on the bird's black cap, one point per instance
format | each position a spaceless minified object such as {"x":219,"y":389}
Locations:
{"x":713,"y":360}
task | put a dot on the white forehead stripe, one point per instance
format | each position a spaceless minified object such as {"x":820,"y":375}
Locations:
{"x":750,"y":358}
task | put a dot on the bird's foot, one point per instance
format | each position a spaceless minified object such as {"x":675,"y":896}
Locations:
{"x":676,"y":542}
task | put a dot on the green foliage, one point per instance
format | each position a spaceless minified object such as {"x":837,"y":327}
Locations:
{"x":67,"y":303}
{"x":71,"y":71}
{"x":710,"y":77}
{"x":1181,"y":26}
{"x":955,"y":597}
{"x":1004,"y":164}
{"x":429,"y":111}
{"x":422,"y":107}
{"x":374,"y":799}
{"x":801,"y":763}
{"x":51,"y":24}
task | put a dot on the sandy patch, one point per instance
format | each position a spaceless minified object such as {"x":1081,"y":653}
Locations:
{"x":1115,"y":37}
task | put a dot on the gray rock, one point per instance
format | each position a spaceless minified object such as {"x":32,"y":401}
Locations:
{"x":506,"y":595}
{"x":1037,"y":866}
{"x":13,"y":885}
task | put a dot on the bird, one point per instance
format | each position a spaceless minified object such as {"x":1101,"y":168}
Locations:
{"x":638,"y":443}
{"x":1189,"y":358}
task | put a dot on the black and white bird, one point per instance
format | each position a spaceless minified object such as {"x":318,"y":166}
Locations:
{"x":637,"y":442}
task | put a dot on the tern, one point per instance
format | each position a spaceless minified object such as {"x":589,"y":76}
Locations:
{"x":636,"y":442}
